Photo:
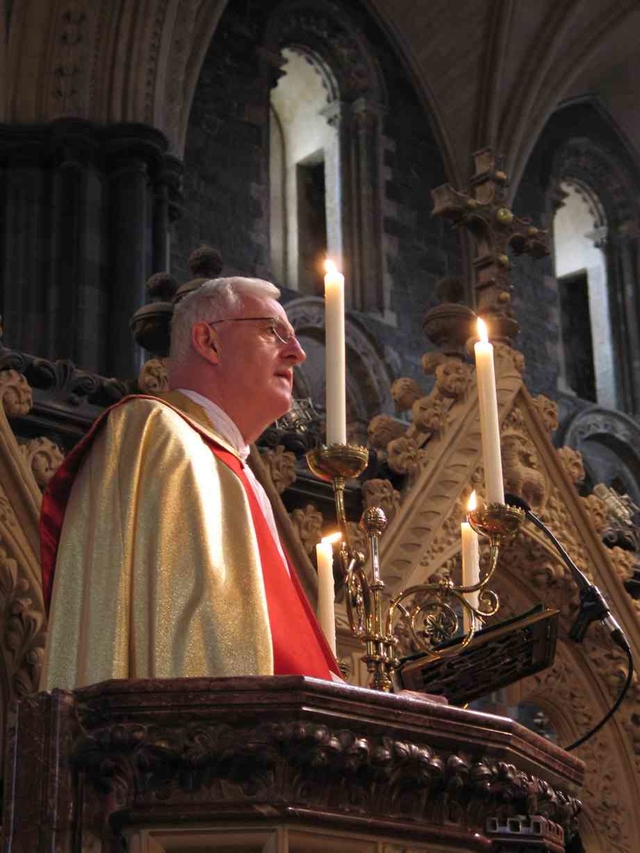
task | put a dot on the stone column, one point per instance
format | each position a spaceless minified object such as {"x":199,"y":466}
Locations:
{"x":76,"y":301}
{"x":134,"y":154}
{"x":23,"y":239}
{"x":367,"y":157}
{"x":623,"y":274}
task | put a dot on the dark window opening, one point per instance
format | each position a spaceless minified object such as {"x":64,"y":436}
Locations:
{"x":312,"y":226}
{"x":576,"y":335}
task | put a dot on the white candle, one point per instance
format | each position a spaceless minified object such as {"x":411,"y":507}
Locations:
{"x":326,"y":589}
{"x":335,"y":355}
{"x":489,"y":421}
{"x":470,"y":561}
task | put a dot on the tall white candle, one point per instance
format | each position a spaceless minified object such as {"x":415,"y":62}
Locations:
{"x":326,"y":589}
{"x":335,"y":355}
{"x":470,"y":561}
{"x":489,"y":421}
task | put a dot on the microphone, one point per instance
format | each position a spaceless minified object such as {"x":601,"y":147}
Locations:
{"x":592,"y":602}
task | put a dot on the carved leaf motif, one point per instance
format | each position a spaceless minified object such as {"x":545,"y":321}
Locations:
{"x":23,"y":641}
{"x":452,"y":377}
{"x":431,"y":361}
{"x":15,"y":393}
{"x":381,"y":493}
{"x":624,"y":563}
{"x":510,"y":355}
{"x":405,"y":392}
{"x":304,"y":761}
{"x":403,"y":455}
{"x":383,"y":429}
{"x":572,"y":463}
{"x":548,"y":412}
{"x":282,"y":467}
{"x":308,"y":523}
{"x":153,"y":377}
{"x":44,"y":457}
{"x":521,"y":466}
{"x":429,"y":414}
{"x":597,"y":512}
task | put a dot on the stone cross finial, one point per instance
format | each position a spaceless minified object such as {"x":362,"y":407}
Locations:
{"x":495,"y":228}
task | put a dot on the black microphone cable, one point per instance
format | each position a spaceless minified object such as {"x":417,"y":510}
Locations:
{"x":592,"y":606}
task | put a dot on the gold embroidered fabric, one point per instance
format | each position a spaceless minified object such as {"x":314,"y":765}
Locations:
{"x":158,"y":571}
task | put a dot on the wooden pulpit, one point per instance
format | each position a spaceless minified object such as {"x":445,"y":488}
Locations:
{"x":279,"y":764}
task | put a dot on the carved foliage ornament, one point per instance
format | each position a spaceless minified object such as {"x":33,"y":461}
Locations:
{"x":307,"y":523}
{"x":24,"y":629}
{"x":282,"y":467}
{"x":44,"y":457}
{"x":15,"y":393}
{"x":309,"y":763}
{"x":153,"y":378}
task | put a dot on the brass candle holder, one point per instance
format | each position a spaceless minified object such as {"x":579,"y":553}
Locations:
{"x":426,"y":611}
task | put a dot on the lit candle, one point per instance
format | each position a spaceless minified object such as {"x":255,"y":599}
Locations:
{"x":335,"y":355}
{"x":489,"y":422}
{"x":326,"y":589}
{"x":470,"y":561}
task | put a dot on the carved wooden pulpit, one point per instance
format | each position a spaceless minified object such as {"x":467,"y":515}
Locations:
{"x":278,"y":764}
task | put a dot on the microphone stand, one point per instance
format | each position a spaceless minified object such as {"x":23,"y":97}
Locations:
{"x":593,"y":606}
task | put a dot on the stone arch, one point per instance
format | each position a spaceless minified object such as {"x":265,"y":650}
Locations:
{"x":608,"y":442}
{"x":356,"y":99}
{"x":597,"y":162}
{"x":368,"y":377}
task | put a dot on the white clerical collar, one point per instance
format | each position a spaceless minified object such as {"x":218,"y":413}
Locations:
{"x":221,"y":422}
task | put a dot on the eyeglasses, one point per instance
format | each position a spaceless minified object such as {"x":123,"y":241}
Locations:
{"x":277,"y":327}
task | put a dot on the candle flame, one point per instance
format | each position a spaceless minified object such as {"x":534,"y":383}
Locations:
{"x":483,"y":332}
{"x":329,"y":266}
{"x":335,"y":537}
{"x":473,"y":502}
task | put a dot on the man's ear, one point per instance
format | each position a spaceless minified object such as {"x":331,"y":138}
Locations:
{"x":204,"y":340}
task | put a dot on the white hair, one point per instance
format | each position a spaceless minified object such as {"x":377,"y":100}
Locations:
{"x":216,"y":299}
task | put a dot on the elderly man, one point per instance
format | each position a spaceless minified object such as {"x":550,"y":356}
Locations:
{"x":168,"y":562}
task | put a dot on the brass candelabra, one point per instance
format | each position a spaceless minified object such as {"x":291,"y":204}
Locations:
{"x":426,"y":611}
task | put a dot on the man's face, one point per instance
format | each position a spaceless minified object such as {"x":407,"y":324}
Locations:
{"x":255,"y":369}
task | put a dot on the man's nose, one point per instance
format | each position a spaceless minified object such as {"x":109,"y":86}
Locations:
{"x":293,"y":351}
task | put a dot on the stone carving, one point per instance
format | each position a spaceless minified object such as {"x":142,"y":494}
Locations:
{"x":301,"y":761}
{"x":382,"y":429}
{"x":307,"y":523}
{"x":597,"y":510}
{"x":24,"y":629}
{"x":282,"y":467}
{"x":429,"y":414}
{"x":452,"y":377}
{"x":153,"y":377}
{"x":405,"y":392}
{"x":548,"y":412}
{"x":44,"y":457}
{"x":68,"y":71}
{"x":73,"y":386}
{"x":381,"y":493}
{"x":15,"y":393}
{"x":606,"y":802}
{"x":572,"y":463}
{"x":404,"y":456}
